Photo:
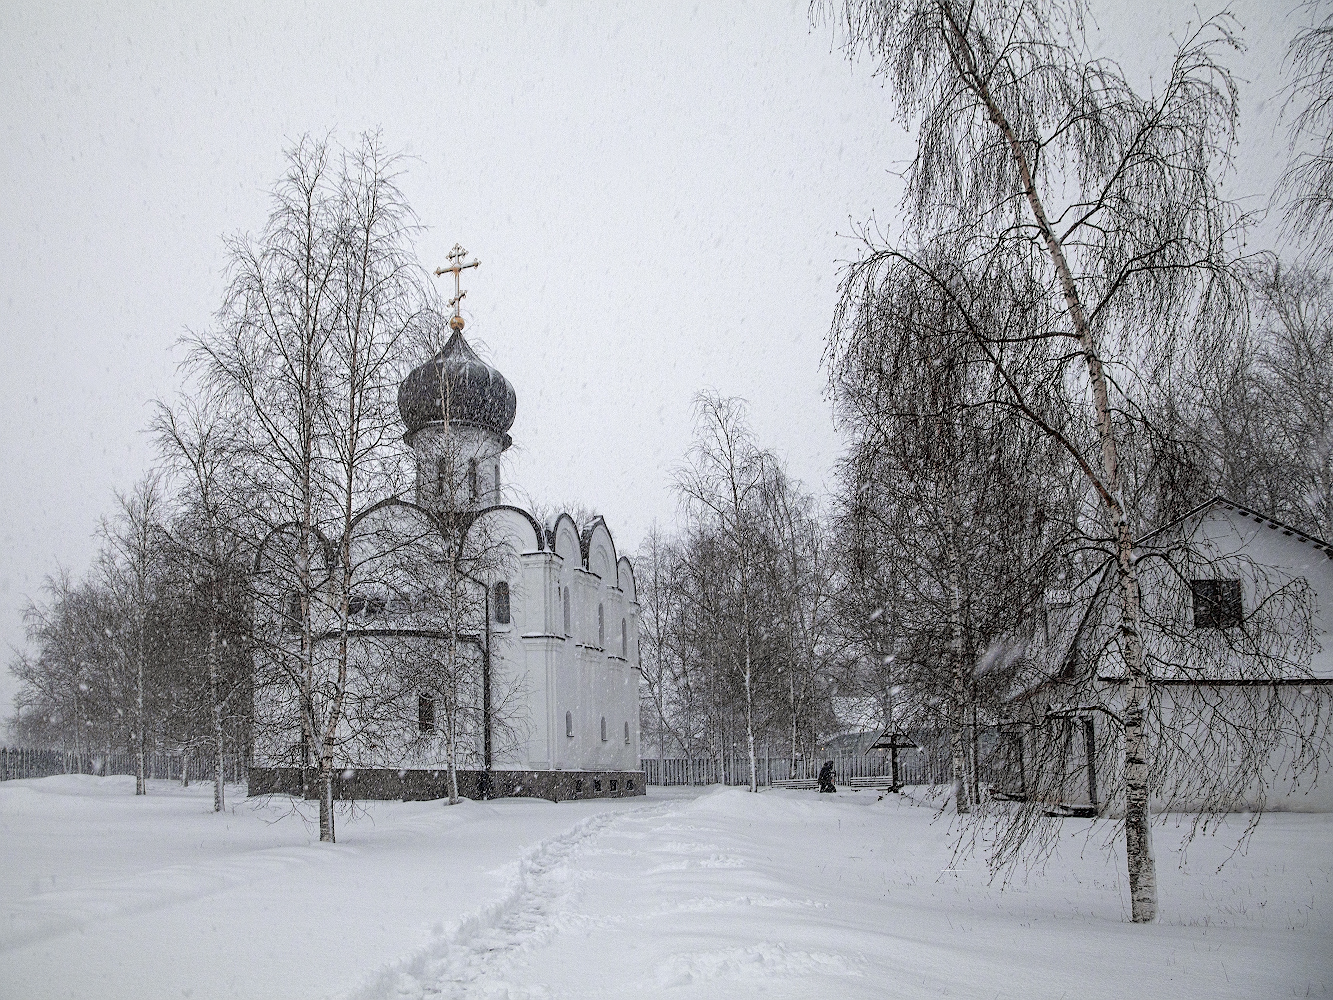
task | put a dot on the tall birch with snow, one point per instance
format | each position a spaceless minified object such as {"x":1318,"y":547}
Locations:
{"x":1034,"y":154}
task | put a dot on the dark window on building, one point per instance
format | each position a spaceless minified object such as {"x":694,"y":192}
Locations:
{"x":425,"y":713}
{"x":624,"y":639}
{"x":441,"y":477}
{"x":291,"y":613}
{"x":627,"y":733}
{"x":569,"y":724}
{"x":603,"y":728}
{"x":596,"y":784}
{"x":1216,"y":603}
{"x":615,"y":785}
{"x":502,"y":602}
{"x":601,"y":628}
{"x":578,"y":785}
{"x":497,"y":482}
{"x":630,"y":784}
{"x":567,"y":632}
{"x":366,"y":606}
{"x":472,"y":478}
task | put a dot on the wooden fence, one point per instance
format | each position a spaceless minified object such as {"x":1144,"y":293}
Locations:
{"x":20,"y":762}
{"x":913,"y":769}
{"x":929,"y":765}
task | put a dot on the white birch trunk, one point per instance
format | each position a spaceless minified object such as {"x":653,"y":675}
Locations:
{"x":1138,"y":832}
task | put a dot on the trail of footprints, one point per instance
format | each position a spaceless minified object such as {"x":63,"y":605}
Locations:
{"x":634,"y":850}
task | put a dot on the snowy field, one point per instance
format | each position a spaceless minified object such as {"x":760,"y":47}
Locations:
{"x":687,"y":894}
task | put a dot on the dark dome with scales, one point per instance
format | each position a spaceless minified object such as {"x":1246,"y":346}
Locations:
{"x":478,"y":394}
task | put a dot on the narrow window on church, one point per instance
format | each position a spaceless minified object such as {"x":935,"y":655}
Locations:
{"x":502,"y":602}
{"x":567,"y":632}
{"x":569,"y":724}
{"x":441,"y":477}
{"x":425,"y":713}
{"x":291,"y":619}
{"x":624,"y":640}
{"x":603,"y":728}
{"x":473,"y":492}
{"x":497,"y":482}
{"x":626,"y":734}
{"x":601,"y":628}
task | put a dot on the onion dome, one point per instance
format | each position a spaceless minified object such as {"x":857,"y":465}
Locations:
{"x":478,"y":395}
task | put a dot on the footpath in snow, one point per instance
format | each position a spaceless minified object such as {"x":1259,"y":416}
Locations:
{"x":689,"y":893}
{"x":792,"y":894}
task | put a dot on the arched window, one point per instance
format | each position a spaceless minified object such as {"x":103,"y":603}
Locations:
{"x":626,"y":734}
{"x":291,"y":614}
{"x":603,"y":728}
{"x":601,"y":628}
{"x":624,"y":639}
{"x":569,"y":724}
{"x":502,"y":602}
{"x":567,"y":632}
{"x":473,"y":491}
{"x":425,"y":713}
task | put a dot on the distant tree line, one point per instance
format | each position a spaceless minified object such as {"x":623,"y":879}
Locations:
{"x":149,"y":650}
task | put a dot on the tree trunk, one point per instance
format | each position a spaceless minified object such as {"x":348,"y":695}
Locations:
{"x":791,"y":688}
{"x":451,"y":720}
{"x":962,"y":798}
{"x":141,"y":765}
{"x":1138,"y":832}
{"x":219,"y":793}
{"x":326,"y":831}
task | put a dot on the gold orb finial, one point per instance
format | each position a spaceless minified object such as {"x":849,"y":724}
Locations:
{"x":456,"y":323}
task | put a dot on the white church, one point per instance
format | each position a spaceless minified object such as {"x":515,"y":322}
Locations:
{"x":556,"y":656}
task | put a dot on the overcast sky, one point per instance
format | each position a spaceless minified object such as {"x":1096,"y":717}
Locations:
{"x":660,"y":195}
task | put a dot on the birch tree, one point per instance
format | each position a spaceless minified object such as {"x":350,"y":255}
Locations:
{"x":723,"y":484}
{"x":269,"y":354}
{"x":1038,"y":158}
{"x":132,"y":565}
{"x":197,"y":440}
{"x":1305,"y":192}
{"x":374,"y":298}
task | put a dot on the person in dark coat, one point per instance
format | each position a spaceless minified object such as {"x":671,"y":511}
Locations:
{"x":826,"y":777}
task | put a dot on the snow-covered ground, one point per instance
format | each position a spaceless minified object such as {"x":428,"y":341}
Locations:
{"x":691,"y":893}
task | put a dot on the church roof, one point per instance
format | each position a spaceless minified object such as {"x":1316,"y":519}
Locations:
{"x":477,"y":394}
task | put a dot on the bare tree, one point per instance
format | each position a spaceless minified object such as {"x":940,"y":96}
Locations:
{"x":375,"y":297}
{"x":306,"y":350}
{"x":1306,"y":187}
{"x":723,"y":484}
{"x":132,"y":568}
{"x":197,"y":440}
{"x":797,"y":557}
{"x":1106,"y":202}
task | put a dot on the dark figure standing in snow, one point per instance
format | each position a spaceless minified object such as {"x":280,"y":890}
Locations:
{"x":826,"y":777}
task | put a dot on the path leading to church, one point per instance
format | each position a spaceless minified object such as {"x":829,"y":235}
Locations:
{"x":798,"y":895}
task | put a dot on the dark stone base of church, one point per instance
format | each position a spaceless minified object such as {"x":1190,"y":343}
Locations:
{"x":421,"y":784}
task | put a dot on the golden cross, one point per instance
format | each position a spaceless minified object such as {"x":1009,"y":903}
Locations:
{"x":456,"y":268}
